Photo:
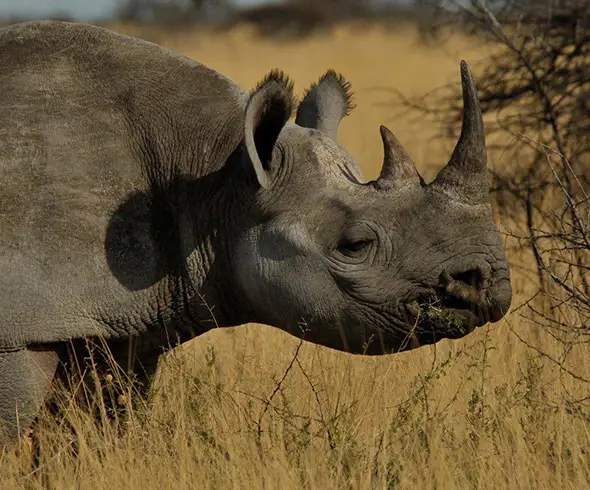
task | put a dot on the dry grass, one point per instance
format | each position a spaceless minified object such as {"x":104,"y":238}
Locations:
{"x":252,"y":407}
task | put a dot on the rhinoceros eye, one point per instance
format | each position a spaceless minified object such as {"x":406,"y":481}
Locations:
{"x":348,"y":247}
{"x":356,"y":242}
{"x":355,"y":249}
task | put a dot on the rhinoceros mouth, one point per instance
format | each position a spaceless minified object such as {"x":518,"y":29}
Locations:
{"x":437,"y":316}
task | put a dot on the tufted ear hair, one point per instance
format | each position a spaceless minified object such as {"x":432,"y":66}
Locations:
{"x":325,"y":104}
{"x":269,"y":108}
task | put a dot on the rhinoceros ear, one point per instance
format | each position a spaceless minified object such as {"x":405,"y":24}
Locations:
{"x":325,"y":104}
{"x":268,"y":110}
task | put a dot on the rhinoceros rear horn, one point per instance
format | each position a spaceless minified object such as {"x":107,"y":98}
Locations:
{"x":398,"y":167}
{"x":465,"y":175}
{"x":268,"y":110}
{"x":325,"y":104}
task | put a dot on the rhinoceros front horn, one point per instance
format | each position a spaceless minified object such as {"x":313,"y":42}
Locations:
{"x":465,"y":175}
{"x":398,"y":167}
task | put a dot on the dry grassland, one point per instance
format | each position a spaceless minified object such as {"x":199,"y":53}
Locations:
{"x":252,"y":407}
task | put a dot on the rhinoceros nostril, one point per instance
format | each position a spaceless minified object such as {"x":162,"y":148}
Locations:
{"x":472,"y":277}
{"x":469,"y":290}
{"x":466,"y":287}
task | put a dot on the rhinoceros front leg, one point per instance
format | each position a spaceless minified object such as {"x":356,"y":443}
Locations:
{"x":25,"y":379}
{"x":138,"y":366}
{"x":106,"y":377}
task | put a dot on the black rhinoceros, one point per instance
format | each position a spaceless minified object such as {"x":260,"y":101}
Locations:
{"x":146,"y":198}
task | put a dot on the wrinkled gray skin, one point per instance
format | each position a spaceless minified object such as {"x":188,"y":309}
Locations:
{"x":146,"y":199}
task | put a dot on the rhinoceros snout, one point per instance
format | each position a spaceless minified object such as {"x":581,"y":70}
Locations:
{"x":472,"y":289}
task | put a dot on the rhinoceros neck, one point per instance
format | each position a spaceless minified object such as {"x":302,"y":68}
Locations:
{"x":187,"y":148}
{"x":205,"y":214}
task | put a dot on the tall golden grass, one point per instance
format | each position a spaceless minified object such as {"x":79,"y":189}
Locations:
{"x":252,"y":407}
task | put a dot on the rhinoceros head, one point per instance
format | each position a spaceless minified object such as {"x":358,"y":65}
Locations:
{"x":366,"y":267}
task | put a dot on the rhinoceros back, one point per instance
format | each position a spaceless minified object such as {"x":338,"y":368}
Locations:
{"x":88,"y":118}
